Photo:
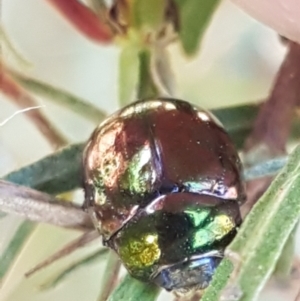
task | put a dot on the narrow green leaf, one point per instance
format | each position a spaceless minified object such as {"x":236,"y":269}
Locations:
{"x":134,"y":290}
{"x":74,"y":267}
{"x":237,"y":117}
{"x":61,"y":97}
{"x":111,"y":273}
{"x":56,"y":173}
{"x":128,"y":74}
{"x":284,"y":265}
{"x":194,"y":16}
{"x":263,"y":235}
{"x":15,"y":246}
{"x":147,"y":87}
{"x":219,"y":281}
{"x":149,"y":14}
{"x":238,"y":121}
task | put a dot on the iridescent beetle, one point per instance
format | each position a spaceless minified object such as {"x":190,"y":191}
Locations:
{"x":163,"y":186}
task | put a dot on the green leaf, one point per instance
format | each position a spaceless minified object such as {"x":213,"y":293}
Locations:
{"x":263,"y":235}
{"x":134,"y":290}
{"x":285,"y":263}
{"x":238,"y":121}
{"x":15,"y":246}
{"x":128,"y":74}
{"x":60,"y":97}
{"x":149,"y":14}
{"x":237,"y":117}
{"x":219,"y":281}
{"x":56,"y":173}
{"x":194,"y":16}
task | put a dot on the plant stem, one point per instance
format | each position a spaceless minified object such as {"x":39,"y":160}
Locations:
{"x":41,"y":207}
{"x":74,"y":245}
{"x":272,"y":126}
{"x":147,"y":87}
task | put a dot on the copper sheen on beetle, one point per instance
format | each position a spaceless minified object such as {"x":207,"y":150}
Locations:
{"x":163,"y":186}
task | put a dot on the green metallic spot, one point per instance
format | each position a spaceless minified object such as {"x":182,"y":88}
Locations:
{"x":139,"y":172}
{"x":197,"y":216}
{"x":217,"y":229}
{"x":221,"y":226}
{"x":141,"y":253}
{"x":202,"y":238}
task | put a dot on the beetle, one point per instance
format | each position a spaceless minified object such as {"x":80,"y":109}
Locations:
{"x":163,"y":186}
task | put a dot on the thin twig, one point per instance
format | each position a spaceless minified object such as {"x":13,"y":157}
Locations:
{"x":41,"y":207}
{"x":24,"y":100}
{"x":74,"y":266}
{"x":74,"y":245}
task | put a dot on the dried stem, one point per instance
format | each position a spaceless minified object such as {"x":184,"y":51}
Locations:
{"x":41,"y":207}
{"x":74,"y":245}
{"x":272,"y":126}
{"x":24,"y":100}
{"x":74,"y":266}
